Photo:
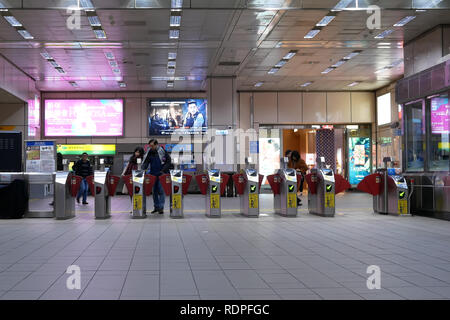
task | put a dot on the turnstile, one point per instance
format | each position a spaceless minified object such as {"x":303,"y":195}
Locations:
{"x":287,"y":199}
{"x":176,"y":185}
{"x":39,"y":202}
{"x":247,"y":185}
{"x":139,"y":199}
{"x":104,"y":187}
{"x":66,"y":188}
{"x":212,"y":185}
{"x":321,"y":198}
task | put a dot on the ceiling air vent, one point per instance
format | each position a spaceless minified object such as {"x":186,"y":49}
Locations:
{"x":229,"y":63}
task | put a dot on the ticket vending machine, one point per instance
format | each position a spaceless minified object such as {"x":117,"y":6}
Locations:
{"x":67,"y":185}
{"x":247,"y":185}
{"x":175,"y":185}
{"x":390,"y":192}
{"x":103,"y":186}
{"x":213,"y":186}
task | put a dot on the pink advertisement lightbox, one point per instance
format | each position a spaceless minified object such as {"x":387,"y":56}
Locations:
{"x":84,"y":117}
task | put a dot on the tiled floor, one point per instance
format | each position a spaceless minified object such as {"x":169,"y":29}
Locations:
{"x":272,"y":257}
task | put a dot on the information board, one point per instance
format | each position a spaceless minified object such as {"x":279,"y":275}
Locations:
{"x":40,"y":156}
{"x":10,"y":151}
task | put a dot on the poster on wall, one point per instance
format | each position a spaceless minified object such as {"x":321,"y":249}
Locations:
{"x":177,"y":116}
{"x":359,"y":159}
{"x":40,"y":156}
{"x":34,"y":117}
{"x":269,"y":156}
{"x":440,"y":115}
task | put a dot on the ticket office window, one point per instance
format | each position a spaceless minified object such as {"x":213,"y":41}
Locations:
{"x":438,"y":132}
{"x":415,"y":137}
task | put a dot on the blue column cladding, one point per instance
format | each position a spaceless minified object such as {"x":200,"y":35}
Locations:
{"x":325,"y":147}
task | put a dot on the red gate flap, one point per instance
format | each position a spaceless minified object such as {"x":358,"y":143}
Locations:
{"x":239,"y":185}
{"x":166,"y":183}
{"x":312,"y":185}
{"x":90,"y":181}
{"x":149,"y":182}
{"x":186,"y":183}
{"x":113,"y":182}
{"x":128,"y":180}
{"x":371,"y":184}
{"x":275,"y":185}
{"x":261,"y":178}
{"x":75,"y":183}
{"x":223,"y":182}
{"x":341,"y":184}
{"x":202,"y":181}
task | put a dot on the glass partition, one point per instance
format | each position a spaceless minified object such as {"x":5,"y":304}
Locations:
{"x":415,"y":136}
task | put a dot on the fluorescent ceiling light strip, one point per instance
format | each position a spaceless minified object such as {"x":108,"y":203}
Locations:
{"x":172,"y":55}
{"x":94,"y":21}
{"x":86,"y":4}
{"x":311,"y":34}
{"x":109,"y":55}
{"x":122,"y":84}
{"x":430,"y":4}
{"x":273,"y":70}
{"x":259,"y":84}
{"x":176,"y":4}
{"x":306,"y":84}
{"x":46,"y":55}
{"x":290,"y":55}
{"x":351,"y":55}
{"x":171,"y":64}
{"x":12,"y":21}
{"x":353,"y":84}
{"x":281,"y":63}
{"x":100,"y":33}
{"x":60,"y":70}
{"x":325,"y":21}
{"x":384,"y":34}
{"x":339,"y":63}
{"x":404,"y":21}
{"x":54,"y":63}
{"x":113,"y":64}
{"x":327,"y":70}
{"x":342,"y":4}
{"x":25,"y":34}
{"x":174,"y":34}
{"x":175,"y":21}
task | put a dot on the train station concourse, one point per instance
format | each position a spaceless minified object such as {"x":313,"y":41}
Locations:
{"x":233,"y":152}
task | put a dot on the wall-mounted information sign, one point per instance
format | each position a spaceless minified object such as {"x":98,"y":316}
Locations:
{"x":40,"y":156}
{"x":90,"y":149}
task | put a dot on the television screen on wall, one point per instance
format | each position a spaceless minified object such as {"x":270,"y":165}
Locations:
{"x":440,"y":115}
{"x":177,"y":116}
{"x":83,"y":118}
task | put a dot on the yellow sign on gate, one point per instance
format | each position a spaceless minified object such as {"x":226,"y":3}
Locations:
{"x":329,"y":200}
{"x":215,"y":201}
{"x":176,"y":201}
{"x":291,"y":200}
{"x":253,"y":201}
{"x":137,"y":202}
{"x":403,"y":206}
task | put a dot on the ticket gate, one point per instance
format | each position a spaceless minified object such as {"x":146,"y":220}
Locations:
{"x":321,"y":195}
{"x":284,"y":186}
{"x":139,"y":186}
{"x":248,"y":185}
{"x":67,"y":185}
{"x":213,"y":186}
{"x":390,"y":192}
{"x":175,"y":185}
{"x":103,"y":186}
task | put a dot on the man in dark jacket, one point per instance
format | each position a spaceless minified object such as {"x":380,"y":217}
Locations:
{"x":157,"y":162}
{"x":83,"y":169}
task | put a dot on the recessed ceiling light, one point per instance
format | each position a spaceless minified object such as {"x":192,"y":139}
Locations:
{"x":290,"y":54}
{"x":25,"y":34}
{"x":172,"y":55}
{"x":109,"y":55}
{"x":94,"y":21}
{"x":122,"y":84}
{"x":170,"y":84}
{"x":281,"y":63}
{"x":352,"y":55}
{"x":174,"y":33}
{"x":341,"y":5}
{"x":86,"y":4}
{"x":325,"y":21}
{"x":312,"y":33}
{"x":60,"y":70}
{"x":339,"y":63}
{"x":404,"y":21}
{"x":384,"y":34}
{"x":176,"y":4}
{"x":175,"y":20}
{"x":259,"y":84}
{"x":100,"y":33}
{"x":171,"y":63}
{"x":327,"y":70}
{"x":353,"y":84}
{"x":12,"y":21}
{"x":306,"y":84}
{"x":273,"y":70}
{"x":46,"y":55}
{"x":53,"y":63}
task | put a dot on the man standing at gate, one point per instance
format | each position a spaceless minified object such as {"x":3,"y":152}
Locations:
{"x":83,"y":169}
{"x":156,"y":162}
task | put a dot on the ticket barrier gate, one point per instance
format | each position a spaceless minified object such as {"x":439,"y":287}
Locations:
{"x":284,"y":186}
{"x":67,"y":185}
{"x":175,"y":184}
{"x":248,"y":185}
{"x":103,"y":186}
{"x":139,"y":186}
{"x":213,"y":186}
{"x":390,"y":192}
{"x":323,"y":185}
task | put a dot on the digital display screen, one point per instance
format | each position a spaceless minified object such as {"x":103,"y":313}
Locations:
{"x":177,"y":116}
{"x":359,"y":159}
{"x":440,"y":115}
{"x":84,"y":117}
{"x":33,"y":116}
